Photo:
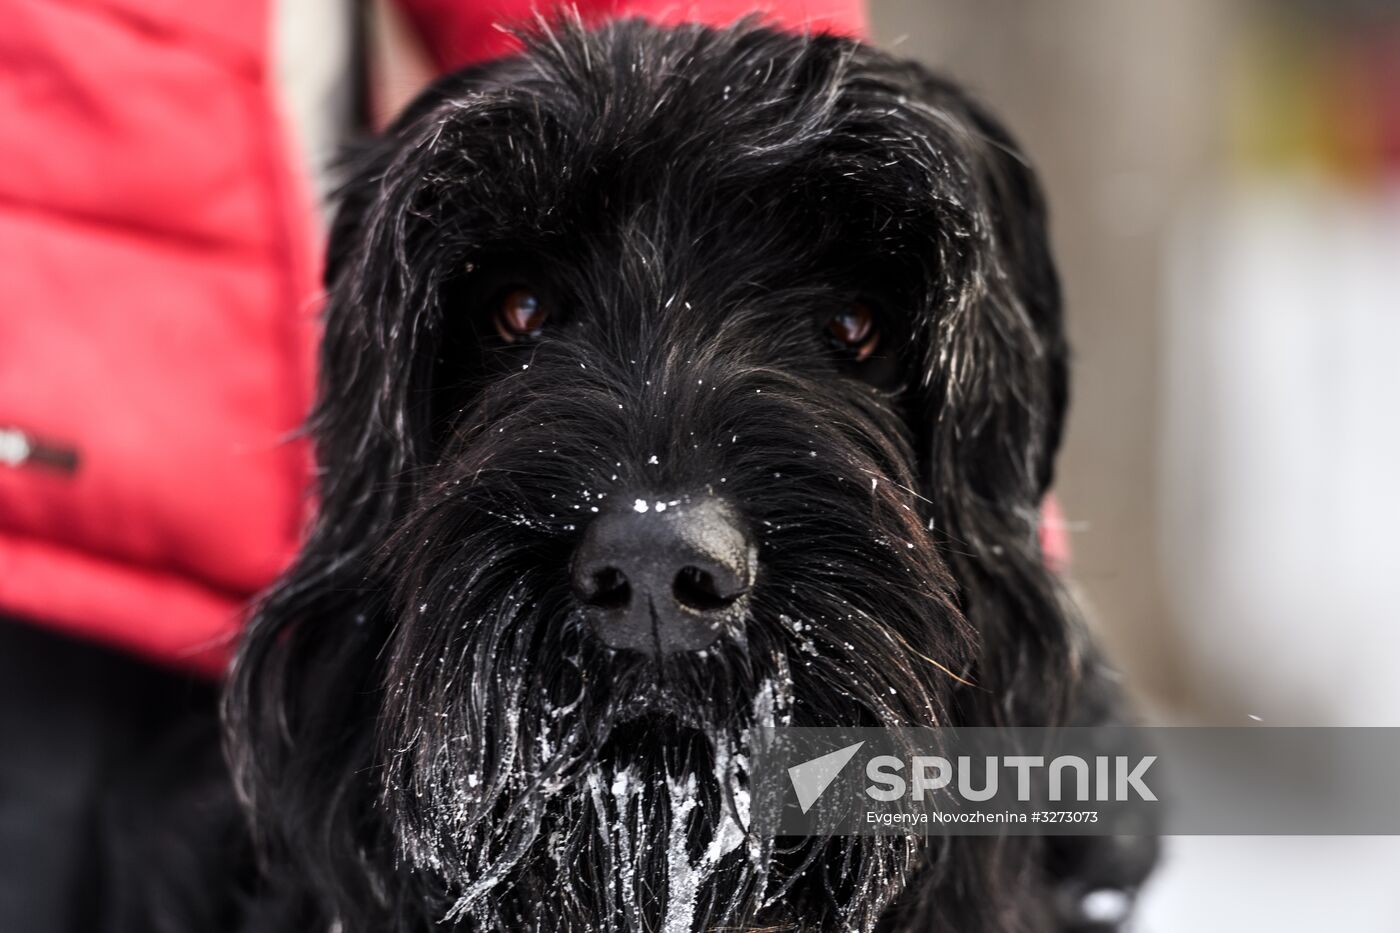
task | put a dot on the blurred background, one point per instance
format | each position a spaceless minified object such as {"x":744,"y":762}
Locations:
{"x":1224,"y":183}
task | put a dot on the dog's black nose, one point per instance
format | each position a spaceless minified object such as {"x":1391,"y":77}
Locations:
{"x":665,"y":576}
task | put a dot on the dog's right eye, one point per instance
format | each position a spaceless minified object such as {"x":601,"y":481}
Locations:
{"x":855,"y":331}
{"x":520,"y":315}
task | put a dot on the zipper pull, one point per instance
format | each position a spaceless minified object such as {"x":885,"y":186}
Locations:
{"x":18,"y":449}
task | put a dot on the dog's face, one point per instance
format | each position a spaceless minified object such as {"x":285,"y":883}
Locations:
{"x":675,"y":382}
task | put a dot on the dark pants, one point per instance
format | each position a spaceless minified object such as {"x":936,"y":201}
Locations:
{"x":85,"y":741}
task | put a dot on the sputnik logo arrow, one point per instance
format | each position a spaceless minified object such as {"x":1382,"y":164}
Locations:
{"x":811,"y":778}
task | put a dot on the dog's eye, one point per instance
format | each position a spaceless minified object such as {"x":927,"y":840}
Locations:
{"x":855,"y":331}
{"x":520,"y":315}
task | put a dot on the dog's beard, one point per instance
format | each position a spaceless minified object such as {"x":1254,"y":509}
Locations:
{"x":542,"y":781}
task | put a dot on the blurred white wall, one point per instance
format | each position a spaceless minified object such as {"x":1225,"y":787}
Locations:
{"x":1282,"y":447}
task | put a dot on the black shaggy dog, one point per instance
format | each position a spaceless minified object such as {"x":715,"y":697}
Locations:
{"x":675,"y":381}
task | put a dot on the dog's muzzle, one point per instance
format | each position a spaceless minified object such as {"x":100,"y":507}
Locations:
{"x":665,"y":576}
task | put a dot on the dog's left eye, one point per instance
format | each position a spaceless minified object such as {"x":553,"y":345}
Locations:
{"x":855,"y":330}
{"x":520,"y":315}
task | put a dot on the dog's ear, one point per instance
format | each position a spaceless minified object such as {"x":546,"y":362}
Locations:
{"x":1025,"y":289}
{"x":993,"y":360}
{"x":996,"y":356}
{"x":951,"y":220}
{"x":307,"y":676}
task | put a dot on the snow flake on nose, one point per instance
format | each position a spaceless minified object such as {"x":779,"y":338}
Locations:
{"x":642,"y":506}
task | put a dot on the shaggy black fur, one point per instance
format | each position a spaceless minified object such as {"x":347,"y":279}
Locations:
{"x":425,"y":731}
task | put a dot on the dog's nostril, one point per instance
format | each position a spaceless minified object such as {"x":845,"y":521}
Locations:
{"x":696,"y":589}
{"x":608,"y":589}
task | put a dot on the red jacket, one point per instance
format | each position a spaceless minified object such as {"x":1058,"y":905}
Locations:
{"x":159,"y":273}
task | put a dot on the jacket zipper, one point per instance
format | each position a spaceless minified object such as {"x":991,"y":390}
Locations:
{"x":18,"y":449}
